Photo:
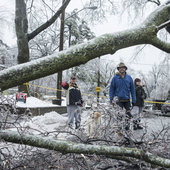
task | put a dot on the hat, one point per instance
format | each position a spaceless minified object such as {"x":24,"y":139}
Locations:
{"x":137,"y":80}
{"x":121,"y":65}
{"x":73,"y":77}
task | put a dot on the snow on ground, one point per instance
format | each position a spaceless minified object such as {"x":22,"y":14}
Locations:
{"x":156,"y":123}
{"x":50,"y":122}
{"x":50,"y":98}
{"x":54,"y":121}
{"x":33,"y":102}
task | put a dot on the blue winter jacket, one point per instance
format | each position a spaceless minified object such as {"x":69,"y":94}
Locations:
{"x":122,"y":88}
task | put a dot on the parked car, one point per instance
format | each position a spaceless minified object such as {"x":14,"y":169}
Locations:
{"x":165,"y":107}
{"x":148,"y":107}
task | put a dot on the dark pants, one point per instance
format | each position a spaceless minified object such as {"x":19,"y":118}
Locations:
{"x":127,"y":106}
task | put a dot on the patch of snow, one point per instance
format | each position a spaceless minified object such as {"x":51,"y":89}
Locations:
{"x":49,"y":118}
{"x":33,"y":102}
{"x":45,"y":123}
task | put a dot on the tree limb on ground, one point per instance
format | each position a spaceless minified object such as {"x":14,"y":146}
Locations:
{"x":70,"y":147}
{"x":146,"y":33}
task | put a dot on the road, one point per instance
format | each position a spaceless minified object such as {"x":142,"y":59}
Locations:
{"x":154,"y":124}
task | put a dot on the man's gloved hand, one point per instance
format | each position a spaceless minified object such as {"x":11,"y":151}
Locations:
{"x":65,"y":85}
{"x":133,"y":104}
{"x":112,"y":102}
{"x":80,"y":103}
{"x":115,"y":99}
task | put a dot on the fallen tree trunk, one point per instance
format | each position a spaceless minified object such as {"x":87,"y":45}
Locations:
{"x":70,"y":147}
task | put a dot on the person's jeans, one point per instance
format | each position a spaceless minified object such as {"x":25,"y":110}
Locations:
{"x":73,"y":112}
{"x":127,"y":107}
{"x":136,"y":112}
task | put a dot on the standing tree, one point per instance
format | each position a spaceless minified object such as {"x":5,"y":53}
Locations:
{"x":88,"y":74}
{"x":156,"y":81}
{"x":168,"y":98}
{"x":23,"y":37}
{"x":61,"y":46}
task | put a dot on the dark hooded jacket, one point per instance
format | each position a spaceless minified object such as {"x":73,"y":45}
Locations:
{"x":73,"y":94}
{"x":140,"y":96}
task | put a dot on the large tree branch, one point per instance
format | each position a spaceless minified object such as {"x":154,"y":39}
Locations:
{"x":164,"y":46}
{"x":146,"y":33}
{"x":74,"y":56}
{"x":69,"y":147}
{"x":49,"y":22}
{"x":159,"y":16}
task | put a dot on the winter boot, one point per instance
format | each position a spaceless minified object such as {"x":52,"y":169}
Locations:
{"x":139,"y":127}
{"x":136,"y":125}
{"x":119,"y":117}
{"x":127,"y":124}
{"x":77,"y":125}
{"x":127,"y":127}
{"x":70,"y":126}
{"x":127,"y":120}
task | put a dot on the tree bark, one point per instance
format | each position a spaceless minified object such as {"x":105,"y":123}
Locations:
{"x":146,"y":33}
{"x":21,"y":27}
{"x":59,"y":76}
{"x":70,"y":147}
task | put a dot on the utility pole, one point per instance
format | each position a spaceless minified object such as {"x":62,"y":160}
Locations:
{"x":98,"y":85}
{"x":59,"y":77}
{"x":98,"y":82}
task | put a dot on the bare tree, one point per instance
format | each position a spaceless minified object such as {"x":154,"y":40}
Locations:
{"x":23,"y":37}
{"x":156,"y":81}
{"x":89,"y":75}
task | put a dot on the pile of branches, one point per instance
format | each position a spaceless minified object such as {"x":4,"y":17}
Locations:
{"x":27,"y":153}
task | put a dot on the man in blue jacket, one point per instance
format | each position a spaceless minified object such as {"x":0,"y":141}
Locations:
{"x":121,"y":88}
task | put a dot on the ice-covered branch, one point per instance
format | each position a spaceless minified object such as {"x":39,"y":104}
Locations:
{"x":49,"y":22}
{"x":69,"y":147}
{"x":162,"y":45}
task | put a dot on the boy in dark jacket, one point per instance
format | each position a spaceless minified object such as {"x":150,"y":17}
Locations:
{"x":138,"y":106}
{"x":74,"y":101}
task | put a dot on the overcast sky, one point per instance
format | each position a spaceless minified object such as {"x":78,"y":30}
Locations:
{"x":143,"y":62}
